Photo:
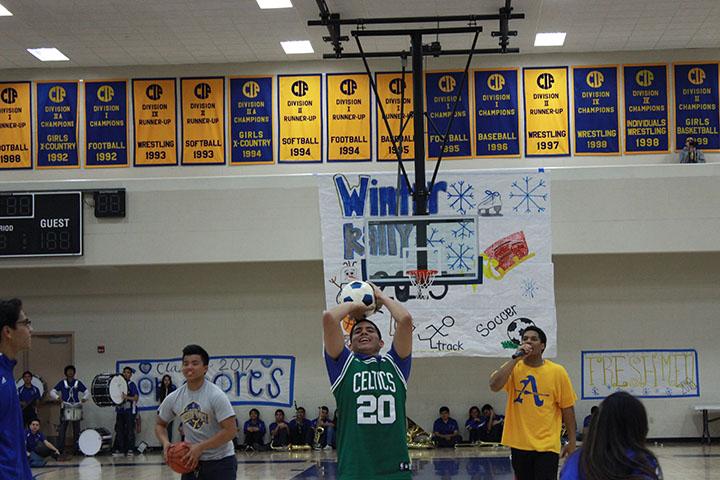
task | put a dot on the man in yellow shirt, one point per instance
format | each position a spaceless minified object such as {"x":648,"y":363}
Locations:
{"x":540,"y":400}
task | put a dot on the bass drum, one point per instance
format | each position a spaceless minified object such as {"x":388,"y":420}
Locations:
{"x":107,"y":389}
{"x":95,"y":440}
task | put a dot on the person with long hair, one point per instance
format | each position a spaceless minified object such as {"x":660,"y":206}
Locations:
{"x":615,"y":446}
{"x":474,"y":424}
{"x":165,"y":388}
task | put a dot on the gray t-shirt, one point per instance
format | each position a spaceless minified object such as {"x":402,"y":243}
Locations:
{"x":201,"y":412}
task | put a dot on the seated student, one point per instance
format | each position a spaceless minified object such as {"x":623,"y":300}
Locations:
{"x":301,"y":430}
{"x":474,"y":424}
{"x":691,"y":154}
{"x":446,"y":430}
{"x":615,"y":444}
{"x":254,"y":430}
{"x":493,"y":424}
{"x":327,"y":438}
{"x":586,"y":422}
{"x":279,"y":430}
{"x":35,"y":443}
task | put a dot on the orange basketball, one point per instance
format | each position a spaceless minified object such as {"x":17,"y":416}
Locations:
{"x":175,"y":455}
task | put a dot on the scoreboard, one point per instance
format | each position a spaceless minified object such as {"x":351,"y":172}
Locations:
{"x":41,"y":224}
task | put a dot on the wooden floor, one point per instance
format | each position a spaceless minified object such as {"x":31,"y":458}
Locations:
{"x":686,"y":462}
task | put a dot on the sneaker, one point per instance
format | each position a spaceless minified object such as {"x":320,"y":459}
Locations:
{"x":130,"y":454}
{"x":327,"y":447}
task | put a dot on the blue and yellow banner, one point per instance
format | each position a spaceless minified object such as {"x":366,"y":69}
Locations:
{"x":390,"y":88}
{"x":646,"y":109}
{"x":596,"y":110}
{"x":300,"y":118}
{"x":696,"y":105}
{"x":106,"y":127}
{"x":155,"y":122}
{"x":547,"y":113}
{"x":497,"y":121}
{"x":441,"y":91}
{"x":15,"y":126}
{"x":203,"y":120}
{"x":57,"y":124}
{"x":348,"y":129}
{"x":251,"y":120}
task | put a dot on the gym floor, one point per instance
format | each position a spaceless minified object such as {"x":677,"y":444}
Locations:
{"x":688,"y":461}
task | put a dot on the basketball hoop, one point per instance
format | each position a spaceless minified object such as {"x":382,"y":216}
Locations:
{"x":422,"y":280}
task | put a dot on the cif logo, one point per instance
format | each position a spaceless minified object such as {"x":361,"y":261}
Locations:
{"x":154,"y":91}
{"x":545,"y":81}
{"x":57,"y":94}
{"x":397,"y":85}
{"x":105,"y":93}
{"x":8,"y":95}
{"x":595,"y":79}
{"x":496,"y":82}
{"x":348,"y":86}
{"x":251,"y":89}
{"x":644,"y":78}
{"x":299,"y":88}
{"x":447,"y":83}
{"x":202,"y":91}
{"x":696,"y":75}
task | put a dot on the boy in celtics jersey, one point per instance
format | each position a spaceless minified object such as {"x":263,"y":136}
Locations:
{"x":370,"y":391}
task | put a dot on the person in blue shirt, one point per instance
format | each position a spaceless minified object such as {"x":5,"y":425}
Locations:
{"x":301,"y":431}
{"x":35,"y":443}
{"x":586,"y":422}
{"x":69,"y":392}
{"x":279,"y":430}
{"x":326,"y":439}
{"x":15,"y":337}
{"x":254,"y":430}
{"x":446,"y":430}
{"x":125,"y":416}
{"x":29,"y":396}
{"x":475,"y":424}
{"x":493,"y":424}
{"x":615,"y":444}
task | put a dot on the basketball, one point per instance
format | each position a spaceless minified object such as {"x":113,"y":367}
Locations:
{"x":175,"y":454}
{"x":361,"y":292}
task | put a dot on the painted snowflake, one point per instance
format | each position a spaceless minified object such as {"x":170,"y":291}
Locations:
{"x":529,"y":195}
{"x":434,"y":239}
{"x":461,"y":197}
{"x":463,"y":231}
{"x":459,"y":257}
{"x":529,"y":288}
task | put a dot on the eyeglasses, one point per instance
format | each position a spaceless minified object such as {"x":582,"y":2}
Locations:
{"x":25,"y":322}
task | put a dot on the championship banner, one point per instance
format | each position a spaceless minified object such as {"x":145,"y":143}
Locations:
{"x":203,"y":120}
{"x":251,"y":120}
{"x":441,"y":91}
{"x":389,"y":89}
{"x":547,"y":111}
{"x":596,"y":110}
{"x":696,"y":105}
{"x":245,"y":379}
{"x":642,"y":373}
{"x":646,"y":109}
{"x":300,"y":118}
{"x":106,"y":127}
{"x":15,"y":126}
{"x":348,"y":117}
{"x":488,"y":250}
{"x":57,"y":124}
{"x":497,"y":121}
{"x":155,"y":122}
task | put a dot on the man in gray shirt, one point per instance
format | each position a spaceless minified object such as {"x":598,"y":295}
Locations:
{"x":208,"y":421}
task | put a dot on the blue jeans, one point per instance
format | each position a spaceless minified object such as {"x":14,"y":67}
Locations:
{"x":223,"y":469}
{"x":36,"y":460}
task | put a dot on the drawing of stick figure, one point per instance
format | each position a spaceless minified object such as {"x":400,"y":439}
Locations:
{"x":447,"y":321}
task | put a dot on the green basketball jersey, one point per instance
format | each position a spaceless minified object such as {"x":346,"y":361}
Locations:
{"x":370,"y":393}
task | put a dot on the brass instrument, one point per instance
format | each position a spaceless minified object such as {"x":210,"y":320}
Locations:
{"x":318,"y":433}
{"x":478,"y":444}
{"x":416,"y":437}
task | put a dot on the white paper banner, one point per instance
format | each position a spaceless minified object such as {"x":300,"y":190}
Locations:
{"x":493,"y":226}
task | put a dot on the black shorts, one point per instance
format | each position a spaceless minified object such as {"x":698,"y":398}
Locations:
{"x":531,"y":465}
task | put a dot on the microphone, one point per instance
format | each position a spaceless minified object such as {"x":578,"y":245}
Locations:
{"x":518,"y":353}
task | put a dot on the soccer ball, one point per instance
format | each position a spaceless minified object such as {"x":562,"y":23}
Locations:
{"x":517,"y":327}
{"x":361,"y":292}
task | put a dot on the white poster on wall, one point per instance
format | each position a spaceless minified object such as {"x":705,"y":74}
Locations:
{"x":485,"y":244}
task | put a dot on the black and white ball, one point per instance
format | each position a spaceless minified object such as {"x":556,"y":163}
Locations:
{"x":361,"y":292}
{"x":517,"y":327}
